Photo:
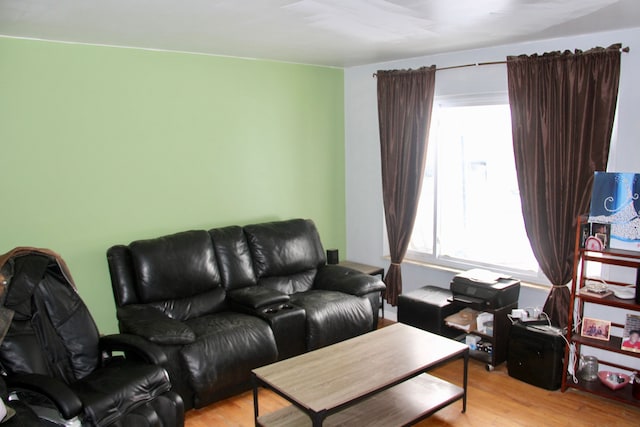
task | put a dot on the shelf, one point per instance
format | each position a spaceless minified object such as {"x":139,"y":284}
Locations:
{"x":499,"y":338}
{"x":482,"y":356}
{"x":621,"y":253}
{"x":403,"y":404}
{"x":611,"y":301}
{"x":612,"y":345}
{"x":482,"y":335}
{"x":463,"y":334}
{"x":596,"y":387}
{"x":616,"y":257}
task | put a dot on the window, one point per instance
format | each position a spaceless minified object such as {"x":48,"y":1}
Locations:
{"x":469,"y":213}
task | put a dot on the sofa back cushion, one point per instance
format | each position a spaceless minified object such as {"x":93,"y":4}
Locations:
{"x":234,"y":257}
{"x":172,"y":270}
{"x":123,"y":277}
{"x":285,"y":248}
{"x":291,"y":284}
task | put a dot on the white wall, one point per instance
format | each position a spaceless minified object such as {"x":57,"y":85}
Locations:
{"x":365,"y":219}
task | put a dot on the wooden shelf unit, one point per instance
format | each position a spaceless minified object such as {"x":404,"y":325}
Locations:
{"x":499,"y":339}
{"x":616,"y":257}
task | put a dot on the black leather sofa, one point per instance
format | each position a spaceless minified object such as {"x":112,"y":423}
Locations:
{"x":224,"y":301}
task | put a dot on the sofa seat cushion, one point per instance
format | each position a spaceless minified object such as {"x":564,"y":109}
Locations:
{"x":196,"y":305}
{"x":228,"y":346}
{"x":116,"y":389}
{"x":333,"y":316}
{"x":149,"y":322}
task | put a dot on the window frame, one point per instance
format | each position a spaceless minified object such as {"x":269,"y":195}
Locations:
{"x":447,"y":262}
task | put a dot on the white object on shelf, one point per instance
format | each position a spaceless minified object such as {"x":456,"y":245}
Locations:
{"x":623,"y":292}
{"x":484,"y":320}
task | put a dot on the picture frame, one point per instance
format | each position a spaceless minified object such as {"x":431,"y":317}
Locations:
{"x":631,"y":334}
{"x":601,"y":232}
{"x":585,"y":232}
{"x":596,"y":329}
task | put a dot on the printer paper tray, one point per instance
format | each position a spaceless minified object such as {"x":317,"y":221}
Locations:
{"x":467,"y":299}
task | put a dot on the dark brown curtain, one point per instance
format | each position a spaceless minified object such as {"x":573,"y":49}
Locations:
{"x":562,"y":112}
{"x":405,"y":101}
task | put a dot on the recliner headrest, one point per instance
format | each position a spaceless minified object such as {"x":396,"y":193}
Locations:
{"x":174,"y":266}
{"x":284,"y":247}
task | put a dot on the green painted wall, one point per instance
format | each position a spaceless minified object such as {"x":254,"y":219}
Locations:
{"x":106,"y":145}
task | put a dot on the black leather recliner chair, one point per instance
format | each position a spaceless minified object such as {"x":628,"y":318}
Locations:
{"x":56,"y":362}
{"x":22,"y":415}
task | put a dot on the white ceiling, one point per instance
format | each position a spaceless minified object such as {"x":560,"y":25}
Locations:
{"x":339,"y":33}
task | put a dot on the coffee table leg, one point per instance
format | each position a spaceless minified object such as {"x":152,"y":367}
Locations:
{"x":254,"y":380}
{"x":464,"y":381}
{"x":317,"y":418}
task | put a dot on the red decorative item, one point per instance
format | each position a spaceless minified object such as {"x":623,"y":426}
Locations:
{"x":613,"y":380}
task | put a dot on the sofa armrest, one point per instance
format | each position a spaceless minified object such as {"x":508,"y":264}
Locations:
{"x":133,"y":344}
{"x":254,"y":297}
{"x":64,"y":399}
{"x":338,"y":278}
{"x":150,"y":323}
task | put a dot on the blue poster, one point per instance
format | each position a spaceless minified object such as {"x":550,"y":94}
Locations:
{"x":615,"y":200}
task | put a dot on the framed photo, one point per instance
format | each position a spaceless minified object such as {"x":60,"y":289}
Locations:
{"x":601,"y":232}
{"x":585,"y":232}
{"x":631,"y":334}
{"x":596,"y":329}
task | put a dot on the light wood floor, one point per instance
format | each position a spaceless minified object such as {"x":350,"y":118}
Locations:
{"x":494,"y":399}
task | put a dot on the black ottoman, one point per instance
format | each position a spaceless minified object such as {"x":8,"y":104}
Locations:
{"x":426,"y":308}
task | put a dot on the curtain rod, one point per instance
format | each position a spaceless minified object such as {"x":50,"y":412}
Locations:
{"x":478,"y":64}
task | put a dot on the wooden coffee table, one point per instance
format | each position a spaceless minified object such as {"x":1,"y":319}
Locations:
{"x":376,"y":379}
